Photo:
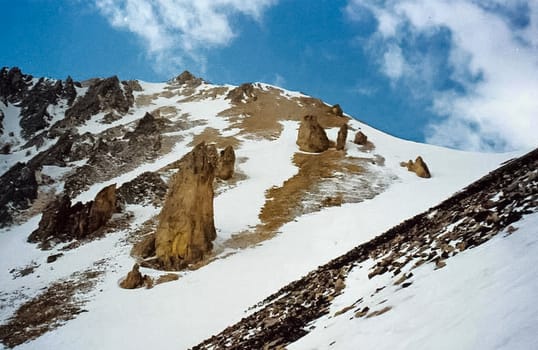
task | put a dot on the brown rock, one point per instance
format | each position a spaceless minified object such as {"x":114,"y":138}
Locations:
{"x":342,"y":137}
{"x":336,"y":109}
{"x":360,"y":138}
{"x":102,"y":208}
{"x":134,"y":279}
{"x":312,"y":137}
{"x":62,"y":222}
{"x":226,"y":164}
{"x":419,"y":167}
{"x":186,"y":226}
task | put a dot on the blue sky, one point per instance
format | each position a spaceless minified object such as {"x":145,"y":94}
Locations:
{"x":460,"y":73}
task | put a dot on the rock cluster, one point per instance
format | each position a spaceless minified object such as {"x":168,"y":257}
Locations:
{"x":186,"y":226}
{"x":187,"y":78}
{"x":102,"y":95}
{"x":19,"y":188}
{"x":482,"y":210}
{"x":419,"y":167}
{"x":146,"y":188}
{"x":242,"y":93}
{"x":62,"y":222}
{"x":312,"y":136}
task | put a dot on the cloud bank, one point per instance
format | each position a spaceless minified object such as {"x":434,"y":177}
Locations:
{"x":177,"y":30}
{"x":490,"y":59}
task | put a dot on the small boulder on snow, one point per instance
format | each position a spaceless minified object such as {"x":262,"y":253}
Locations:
{"x":419,"y":167}
{"x":312,"y":136}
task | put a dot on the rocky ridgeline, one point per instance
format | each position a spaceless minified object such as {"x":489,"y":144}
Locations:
{"x":475,"y":215}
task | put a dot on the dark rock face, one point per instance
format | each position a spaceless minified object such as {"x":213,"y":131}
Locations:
{"x":102,"y":95}
{"x":19,"y":189}
{"x":342,"y":137}
{"x":62,"y":222}
{"x":312,"y":137}
{"x":13,"y":84}
{"x":147,"y":188}
{"x":226,"y":164}
{"x":186,"y":226}
{"x":16,"y":88}
{"x":285,"y":316}
{"x":360,"y":138}
{"x":242,"y":93}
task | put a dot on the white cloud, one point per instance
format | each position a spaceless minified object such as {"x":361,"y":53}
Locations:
{"x":173,"y":30}
{"x":494,"y":60}
{"x":394,"y":63}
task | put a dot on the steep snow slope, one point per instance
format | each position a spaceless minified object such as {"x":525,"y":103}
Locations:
{"x":481,"y":300}
{"x":181,"y":313}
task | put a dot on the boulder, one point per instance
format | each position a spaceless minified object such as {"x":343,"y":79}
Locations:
{"x":342,"y":137}
{"x":312,"y":137}
{"x":360,"y":138}
{"x":186,"y":226}
{"x":135,"y":279}
{"x":226,"y":164}
{"x":419,"y":167}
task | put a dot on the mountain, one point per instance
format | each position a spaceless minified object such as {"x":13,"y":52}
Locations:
{"x":96,"y":175}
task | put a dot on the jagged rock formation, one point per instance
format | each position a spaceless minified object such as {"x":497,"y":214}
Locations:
{"x":146,"y":188}
{"x":102,"y":95}
{"x":342,"y":137}
{"x":19,"y":188}
{"x":135,"y":279}
{"x":312,"y":137}
{"x":360,"y":138}
{"x":242,"y":93}
{"x":17,"y":88}
{"x":226,"y":164}
{"x":62,"y":222}
{"x":186,"y":225}
{"x":187,"y":78}
{"x":482,"y":210}
{"x":419,"y":167}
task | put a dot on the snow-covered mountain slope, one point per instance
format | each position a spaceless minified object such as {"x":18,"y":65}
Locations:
{"x":284,"y":213}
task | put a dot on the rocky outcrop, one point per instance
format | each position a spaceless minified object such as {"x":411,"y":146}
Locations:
{"x":33,"y":99}
{"x":62,"y":222}
{"x":226,"y":164}
{"x":342,"y":137}
{"x":19,"y":188}
{"x":102,"y":95}
{"x":135,"y":279}
{"x":242,"y":93}
{"x":146,"y":188}
{"x":13,"y":84}
{"x":419,"y":167}
{"x":312,"y":137}
{"x":187,"y":78}
{"x":186,"y":225}
{"x":360,"y":138}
